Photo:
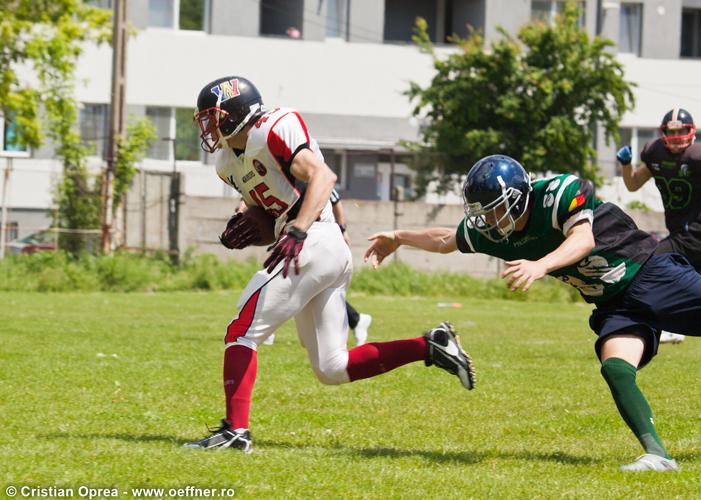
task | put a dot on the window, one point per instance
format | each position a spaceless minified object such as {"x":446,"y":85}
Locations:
{"x":93,"y":128}
{"x":691,"y":33}
{"x":546,"y":11}
{"x":187,"y":145}
{"x":336,"y":160}
{"x":9,"y":139}
{"x":630,"y":28}
{"x":336,"y":18}
{"x":101,"y":4}
{"x":162,"y":146}
{"x":12,"y":231}
{"x":281,"y":17}
{"x":400,"y":188}
{"x":161,"y":13}
{"x":400,"y":18}
{"x":194,"y":15}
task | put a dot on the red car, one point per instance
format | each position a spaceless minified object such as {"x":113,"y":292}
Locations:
{"x":35,"y":242}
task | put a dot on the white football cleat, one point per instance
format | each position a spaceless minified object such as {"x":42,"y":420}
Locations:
{"x":361,"y":329}
{"x":269,"y":340}
{"x":650,"y":462}
{"x":671,"y":338}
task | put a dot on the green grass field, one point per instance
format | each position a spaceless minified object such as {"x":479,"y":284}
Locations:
{"x":541,"y":423}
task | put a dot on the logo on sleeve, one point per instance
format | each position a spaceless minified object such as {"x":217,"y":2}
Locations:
{"x":260,"y":168}
{"x":577,"y":201}
{"x":226,"y":90}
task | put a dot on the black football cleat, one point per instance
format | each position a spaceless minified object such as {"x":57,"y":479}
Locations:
{"x":445,"y":351}
{"x":224,"y":437}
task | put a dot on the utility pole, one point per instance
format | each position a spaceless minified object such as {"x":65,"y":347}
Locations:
{"x":3,"y":217}
{"x":117,"y":111}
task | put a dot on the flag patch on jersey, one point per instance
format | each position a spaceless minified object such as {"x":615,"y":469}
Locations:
{"x":226,"y":90}
{"x":577,"y":201}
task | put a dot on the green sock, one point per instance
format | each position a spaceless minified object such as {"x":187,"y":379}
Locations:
{"x":631,"y":403}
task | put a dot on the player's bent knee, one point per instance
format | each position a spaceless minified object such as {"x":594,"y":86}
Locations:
{"x":332,"y":372}
{"x":616,"y":370}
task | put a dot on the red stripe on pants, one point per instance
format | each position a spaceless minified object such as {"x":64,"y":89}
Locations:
{"x":242,"y":323}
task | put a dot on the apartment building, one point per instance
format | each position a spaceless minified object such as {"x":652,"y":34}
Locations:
{"x":345,"y":65}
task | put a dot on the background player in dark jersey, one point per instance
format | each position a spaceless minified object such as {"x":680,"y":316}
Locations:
{"x":556,"y":226}
{"x":674,"y":161}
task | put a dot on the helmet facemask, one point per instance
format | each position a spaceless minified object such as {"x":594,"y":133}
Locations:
{"x":506,"y":210}
{"x":679,"y":142}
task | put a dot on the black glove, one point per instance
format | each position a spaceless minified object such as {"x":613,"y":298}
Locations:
{"x":240,"y":232}
{"x":288,"y":248}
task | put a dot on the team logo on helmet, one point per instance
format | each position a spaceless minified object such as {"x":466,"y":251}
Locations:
{"x":260,"y":168}
{"x":226,"y":90}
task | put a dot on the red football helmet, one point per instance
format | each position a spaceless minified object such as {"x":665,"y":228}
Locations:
{"x":674,"y":121}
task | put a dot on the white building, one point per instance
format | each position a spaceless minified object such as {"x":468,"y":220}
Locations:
{"x":347,"y":73}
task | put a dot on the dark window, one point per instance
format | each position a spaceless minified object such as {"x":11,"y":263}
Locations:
{"x":194,"y":15}
{"x":400,"y":18}
{"x":691,"y":33}
{"x":281,"y":17}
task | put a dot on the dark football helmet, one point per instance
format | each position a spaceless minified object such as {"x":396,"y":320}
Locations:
{"x":224,"y":107}
{"x":496,"y":193}
{"x":678,"y":119}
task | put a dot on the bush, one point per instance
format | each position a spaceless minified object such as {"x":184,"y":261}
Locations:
{"x":129,"y":272}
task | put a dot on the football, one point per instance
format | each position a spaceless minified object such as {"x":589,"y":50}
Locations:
{"x":264,"y":222}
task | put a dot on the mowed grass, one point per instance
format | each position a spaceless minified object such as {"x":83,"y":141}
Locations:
{"x":541,"y":423}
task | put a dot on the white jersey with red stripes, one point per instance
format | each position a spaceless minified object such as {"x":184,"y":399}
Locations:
{"x":261,"y":173}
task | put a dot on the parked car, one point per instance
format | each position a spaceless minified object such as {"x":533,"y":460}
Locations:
{"x":36,"y":242}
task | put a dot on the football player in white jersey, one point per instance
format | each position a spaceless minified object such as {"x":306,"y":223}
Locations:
{"x":267,"y":156}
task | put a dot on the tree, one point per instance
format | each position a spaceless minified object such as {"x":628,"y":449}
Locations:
{"x":41,"y":41}
{"x":536,"y":97}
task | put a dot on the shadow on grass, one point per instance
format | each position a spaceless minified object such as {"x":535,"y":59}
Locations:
{"x":132,"y":438}
{"x":465,"y":457}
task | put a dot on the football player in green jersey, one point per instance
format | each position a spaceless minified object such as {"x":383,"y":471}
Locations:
{"x":556,"y":227}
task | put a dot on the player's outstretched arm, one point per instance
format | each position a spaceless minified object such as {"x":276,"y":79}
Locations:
{"x":436,"y":239}
{"x":578,"y":244}
{"x":633,"y":177}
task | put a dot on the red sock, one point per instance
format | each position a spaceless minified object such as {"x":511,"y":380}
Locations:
{"x":240,"y":367}
{"x":375,"y":358}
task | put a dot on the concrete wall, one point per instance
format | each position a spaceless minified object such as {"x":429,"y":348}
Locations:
{"x":202,"y":219}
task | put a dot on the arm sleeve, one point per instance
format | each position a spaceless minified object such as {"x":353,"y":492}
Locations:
{"x":462,"y":238}
{"x":575,"y":201}
{"x":287,"y":137}
{"x":645,"y":153}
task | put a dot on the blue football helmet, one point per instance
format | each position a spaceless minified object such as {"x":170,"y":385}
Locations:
{"x":496,"y":194}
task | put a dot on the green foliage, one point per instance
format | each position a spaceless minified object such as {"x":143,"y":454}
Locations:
{"x":638,"y":205}
{"x":535,"y":97}
{"x":131,"y":150}
{"x":128,"y":272}
{"x":47,"y":37}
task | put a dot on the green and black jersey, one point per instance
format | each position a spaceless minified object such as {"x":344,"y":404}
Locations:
{"x":556,"y":204}
{"x":678,"y":177}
